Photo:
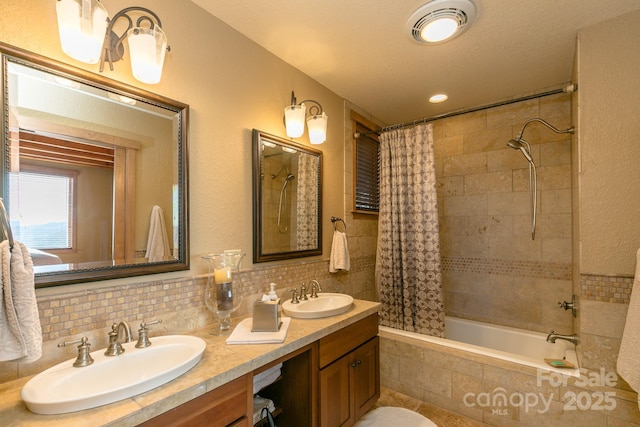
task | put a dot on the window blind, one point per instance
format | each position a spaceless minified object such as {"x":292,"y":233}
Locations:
{"x":367,"y":174}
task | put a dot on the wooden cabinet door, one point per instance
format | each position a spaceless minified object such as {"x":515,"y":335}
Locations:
{"x":366,"y":376}
{"x":336,"y":403}
{"x":350,"y":386}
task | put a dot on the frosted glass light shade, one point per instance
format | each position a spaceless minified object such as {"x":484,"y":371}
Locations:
{"x":147,"y":47}
{"x":82,"y":25}
{"x":317,"y":128}
{"x":440,"y":29}
{"x":294,"y":120}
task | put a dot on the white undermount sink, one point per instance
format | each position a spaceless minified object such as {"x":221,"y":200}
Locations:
{"x":326,"y":305}
{"x":63,"y":388}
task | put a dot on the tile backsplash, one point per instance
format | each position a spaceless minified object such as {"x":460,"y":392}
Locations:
{"x":179,"y":303}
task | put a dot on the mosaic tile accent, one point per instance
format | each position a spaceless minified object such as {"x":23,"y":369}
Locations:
{"x":615,"y":289}
{"x":75,"y":312}
{"x":535,"y":269}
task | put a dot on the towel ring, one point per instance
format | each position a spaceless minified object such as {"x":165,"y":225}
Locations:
{"x":335,"y":219}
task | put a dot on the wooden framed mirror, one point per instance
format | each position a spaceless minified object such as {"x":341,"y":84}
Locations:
{"x":94,"y":172}
{"x":287,"y":199}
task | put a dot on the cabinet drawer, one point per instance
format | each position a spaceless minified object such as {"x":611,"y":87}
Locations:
{"x":343,"y":341}
{"x":224,"y":406}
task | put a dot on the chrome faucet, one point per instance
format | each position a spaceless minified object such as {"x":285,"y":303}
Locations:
{"x":552,"y":337}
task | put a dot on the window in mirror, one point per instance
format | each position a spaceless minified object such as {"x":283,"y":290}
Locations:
{"x":366,"y":170}
{"x":122,"y":155}
{"x":42,"y":207}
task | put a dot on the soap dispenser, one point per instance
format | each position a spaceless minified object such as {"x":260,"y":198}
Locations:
{"x":272,"y":293}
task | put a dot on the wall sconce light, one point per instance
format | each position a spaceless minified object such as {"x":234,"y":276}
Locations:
{"x":294,"y":118}
{"x":87,"y":34}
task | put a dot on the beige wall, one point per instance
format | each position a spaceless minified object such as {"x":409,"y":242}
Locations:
{"x":232,"y":86}
{"x":609,"y":130}
{"x":608,"y":60}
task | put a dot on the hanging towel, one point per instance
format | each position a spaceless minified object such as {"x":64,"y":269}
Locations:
{"x":158,"y":242}
{"x":20,"y":331}
{"x":629,"y":357}
{"x":339,"y":259}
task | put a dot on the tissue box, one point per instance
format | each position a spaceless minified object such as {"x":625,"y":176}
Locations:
{"x":266,"y":316}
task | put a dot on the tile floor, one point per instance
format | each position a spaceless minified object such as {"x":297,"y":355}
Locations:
{"x":441,"y":417}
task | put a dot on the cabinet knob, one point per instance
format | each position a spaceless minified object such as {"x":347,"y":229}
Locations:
{"x":356,"y":363}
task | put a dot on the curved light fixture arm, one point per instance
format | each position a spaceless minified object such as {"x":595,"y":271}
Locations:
{"x":315,"y":108}
{"x":550,"y":126}
{"x":113,"y":49}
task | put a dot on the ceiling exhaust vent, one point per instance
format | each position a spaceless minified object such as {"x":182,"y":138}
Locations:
{"x":440,"y":20}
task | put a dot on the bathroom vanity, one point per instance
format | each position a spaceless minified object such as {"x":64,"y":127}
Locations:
{"x":330,"y":376}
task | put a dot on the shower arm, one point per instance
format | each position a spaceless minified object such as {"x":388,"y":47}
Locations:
{"x":550,"y":126}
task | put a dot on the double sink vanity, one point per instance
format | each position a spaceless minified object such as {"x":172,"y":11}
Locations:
{"x":329,"y":376}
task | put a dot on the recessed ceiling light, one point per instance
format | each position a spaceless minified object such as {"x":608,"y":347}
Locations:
{"x":440,"y":20}
{"x":440,"y":97}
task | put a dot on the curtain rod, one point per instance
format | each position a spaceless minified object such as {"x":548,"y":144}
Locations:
{"x":572,"y":87}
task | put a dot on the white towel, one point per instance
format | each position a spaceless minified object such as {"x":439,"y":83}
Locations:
{"x":242,"y":333}
{"x":339,"y":259}
{"x":158,"y":242}
{"x":20,"y":331}
{"x":629,"y":357}
{"x":266,"y":378}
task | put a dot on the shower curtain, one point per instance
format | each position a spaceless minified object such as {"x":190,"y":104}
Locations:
{"x":408,"y":273}
{"x":307,"y":203}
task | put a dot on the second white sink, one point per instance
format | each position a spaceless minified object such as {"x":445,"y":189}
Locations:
{"x":63,"y":388}
{"x":326,"y":305}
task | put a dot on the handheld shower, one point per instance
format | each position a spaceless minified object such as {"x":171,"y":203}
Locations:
{"x":520,"y":144}
{"x":283,"y":213}
{"x":523,"y":146}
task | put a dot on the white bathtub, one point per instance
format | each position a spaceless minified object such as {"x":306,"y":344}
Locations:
{"x":501,"y":342}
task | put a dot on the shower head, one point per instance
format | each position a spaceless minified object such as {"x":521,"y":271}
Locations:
{"x":289,"y":177}
{"x":522,"y":145}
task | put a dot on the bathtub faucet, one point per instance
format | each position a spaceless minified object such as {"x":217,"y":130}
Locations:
{"x":552,"y":337}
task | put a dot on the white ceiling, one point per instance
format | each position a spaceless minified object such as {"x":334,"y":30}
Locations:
{"x":360,"y":50}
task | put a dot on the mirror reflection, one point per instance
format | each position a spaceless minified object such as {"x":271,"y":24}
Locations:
{"x":287,"y":199}
{"x":93,"y":176}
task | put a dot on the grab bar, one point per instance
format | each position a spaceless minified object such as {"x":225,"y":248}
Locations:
{"x":335,"y":219}
{"x":6,"y":227}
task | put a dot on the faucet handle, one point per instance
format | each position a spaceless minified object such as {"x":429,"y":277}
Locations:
{"x":84,"y":357}
{"x":143,"y":333}
{"x":303,"y":292}
{"x":294,"y":297}
{"x":114,"y":348}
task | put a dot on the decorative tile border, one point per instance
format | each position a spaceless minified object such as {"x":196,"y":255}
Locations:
{"x":536,"y":269}
{"x":615,"y":289}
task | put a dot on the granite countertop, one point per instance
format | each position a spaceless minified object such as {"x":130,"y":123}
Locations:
{"x":220,"y":364}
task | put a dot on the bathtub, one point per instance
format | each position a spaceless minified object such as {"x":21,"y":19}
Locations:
{"x":501,"y":342}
